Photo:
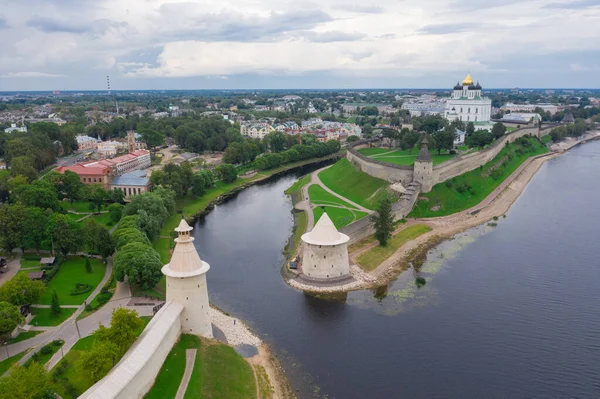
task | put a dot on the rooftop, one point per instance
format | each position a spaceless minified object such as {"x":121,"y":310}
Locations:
{"x":325,"y":233}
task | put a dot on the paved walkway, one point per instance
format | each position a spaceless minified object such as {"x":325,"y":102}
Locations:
{"x":49,"y":306}
{"x":13,"y":268}
{"x":190,"y":359}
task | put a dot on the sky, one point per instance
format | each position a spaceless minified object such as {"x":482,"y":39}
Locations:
{"x":302,"y":44}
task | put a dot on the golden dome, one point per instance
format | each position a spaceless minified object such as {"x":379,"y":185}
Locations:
{"x":468,"y":81}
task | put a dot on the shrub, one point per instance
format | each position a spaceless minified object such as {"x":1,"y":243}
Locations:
{"x":496,"y":218}
{"x":46,"y":350}
{"x":81,"y":289}
{"x":420,"y":281}
{"x":496,"y":173}
{"x":452,"y":152}
{"x":461,"y":189}
{"x":449,"y":184}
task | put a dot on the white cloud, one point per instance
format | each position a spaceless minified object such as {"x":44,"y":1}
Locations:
{"x":31,"y":74}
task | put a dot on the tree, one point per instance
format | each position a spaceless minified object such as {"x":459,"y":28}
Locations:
{"x":124,"y":236}
{"x":470,"y":129}
{"x":153,"y":138}
{"x":70,"y":186}
{"x":89,"y":233}
{"x":153,"y":203}
{"x":226,"y":172}
{"x":480,"y":138}
{"x":97,"y":197}
{"x":66,"y":235}
{"x":31,"y":382}
{"x":125,"y":326}
{"x":55,"y":306}
{"x":40,"y":193}
{"x":34,"y":228}
{"x":352,"y":139}
{"x":444,"y":139}
{"x":148,"y":223}
{"x":12,"y":219}
{"x":23,"y":166}
{"x":10,"y":318}
{"x":140,"y":263}
{"x":20,"y":290}
{"x":88,"y":265}
{"x":115,"y":211}
{"x":201,"y":181}
{"x":383,"y":221}
{"x":409,"y":139}
{"x":95,"y":363}
{"x":106,"y":244}
{"x":116,"y":195}
{"x":498,"y":130}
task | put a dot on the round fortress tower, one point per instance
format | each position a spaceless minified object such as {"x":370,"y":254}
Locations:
{"x":186,"y":284}
{"x":325,"y":251}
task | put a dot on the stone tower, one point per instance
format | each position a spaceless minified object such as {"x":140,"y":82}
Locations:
{"x":131,"y":141}
{"x":423,"y":169}
{"x":325,"y":251}
{"x":186,"y":284}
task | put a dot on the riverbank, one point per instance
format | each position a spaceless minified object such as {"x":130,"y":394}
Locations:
{"x":493,"y":206}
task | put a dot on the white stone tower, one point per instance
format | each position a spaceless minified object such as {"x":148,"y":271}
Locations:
{"x":325,"y":251}
{"x":186,"y":284}
{"x":423,"y":168}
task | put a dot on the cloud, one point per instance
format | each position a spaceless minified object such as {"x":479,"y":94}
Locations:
{"x":577,"y":67}
{"x":442,"y":29}
{"x":360,"y":8}
{"x":51,"y":25}
{"x":333,"y":36}
{"x":574,"y":5}
{"x":3,"y":24}
{"x":31,"y":75}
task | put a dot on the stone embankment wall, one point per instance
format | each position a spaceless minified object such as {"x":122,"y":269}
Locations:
{"x":134,"y":375}
{"x":383,"y":170}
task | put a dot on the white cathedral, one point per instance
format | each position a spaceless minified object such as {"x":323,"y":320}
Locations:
{"x":467,"y":104}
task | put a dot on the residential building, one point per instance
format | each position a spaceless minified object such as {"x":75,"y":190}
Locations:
{"x":467,"y":104}
{"x":530,"y":107}
{"x":521,"y":117}
{"x":110,"y":148}
{"x":428,"y":108}
{"x":14,"y":128}
{"x":136,"y":160}
{"x":255,"y":130}
{"x":86,"y":143}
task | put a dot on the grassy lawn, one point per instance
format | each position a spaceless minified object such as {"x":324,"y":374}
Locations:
{"x":469,"y":189}
{"x":304,"y":180}
{"x":100,"y":300}
{"x":163,"y":247}
{"x":403,"y":157}
{"x":74,"y":216}
{"x":339,"y":216}
{"x":349,"y":182}
{"x":546,"y":139}
{"x":301,"y":223}
{"x":319,"y":196}
{"x":372,"y":258}
{"x":103,"y":219}
{"x":53,"y":347}
{"x":73,"y":271}
{"x":23,"y":336}
{"x":44,"y":317}
{"x":78,"y":206}
{"x":219,"y":372}
{"x":30,"y":263}
{"x":7,"y":363}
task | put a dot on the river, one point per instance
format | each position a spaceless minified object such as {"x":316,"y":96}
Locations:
{"x":507,"y":311}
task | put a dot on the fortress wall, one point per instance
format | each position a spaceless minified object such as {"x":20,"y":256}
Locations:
{"x":386,"y":171}
{"x":135,"y":373}
{"x":358,"y":230}
{"x":468,"y":162}
{"x":325,"y":261}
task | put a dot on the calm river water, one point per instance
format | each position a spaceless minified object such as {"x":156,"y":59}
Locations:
{"x":507,"y":311}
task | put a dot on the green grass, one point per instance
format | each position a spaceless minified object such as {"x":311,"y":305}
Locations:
{"x":349,"y":182}
{"x":103,"y":219}
{"x":74,"y":216}
{"x":43,"y":358}
{"x":78,"y":206}
{"x":402,"y":157}
{"x":319,"y":196}
{"x":372,"y":258}
{"x":7,"y":363}
{"x":23,"y":336}
{"x":339,"y":216}
{"x":30,"y":263}
{"x":447,"y":196}
{"x":304,"y":180}
{"x":301,"y":223}
{"x":219,"y":372}
{"x":546,"y":139}
{"x":163,"y":247}
{"x":44,"y":317}
{"x":73,"y":271}
{"x":96,"y":302}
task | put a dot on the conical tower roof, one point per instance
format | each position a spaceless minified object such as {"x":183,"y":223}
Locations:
{"x":325,"y":233}
{"x":185,"y":261}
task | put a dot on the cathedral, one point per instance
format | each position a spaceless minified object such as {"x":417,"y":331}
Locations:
{"x":467,"y":104}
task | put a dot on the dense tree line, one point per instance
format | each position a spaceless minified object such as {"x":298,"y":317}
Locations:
{"x":296,"y":153}
{"x":571,"y":130}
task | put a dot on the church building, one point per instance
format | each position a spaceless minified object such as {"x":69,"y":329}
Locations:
{"x":466,"y":103}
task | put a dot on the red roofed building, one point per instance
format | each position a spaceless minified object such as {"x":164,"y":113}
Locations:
{"x":88,"y":174}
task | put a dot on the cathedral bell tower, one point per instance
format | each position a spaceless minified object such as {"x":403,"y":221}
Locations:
{"x":186,"y":284}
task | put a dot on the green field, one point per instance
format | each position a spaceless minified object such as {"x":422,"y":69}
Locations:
{"x":72,"y":271}
{"x":103,"y":219}
{"x":53,"y":347}
{"x":219,"y":372}
{"x":349,"y":182}
{"x":319,"y":196}
{"x":78,"y":206}
{"x":304,"y":180}
{"x":23,"y":336}
{"x":7,"y":363}
{"x":469,"y":189}
{"x":339,"y":216}
{"x":372,"y":258}
{"x":301,"y":223}
{"x":44,"y":317}
{"x":27,"y":263}
{"x":403,"y":157}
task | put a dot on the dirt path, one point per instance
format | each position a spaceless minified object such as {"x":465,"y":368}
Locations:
{"x":190,"y":359}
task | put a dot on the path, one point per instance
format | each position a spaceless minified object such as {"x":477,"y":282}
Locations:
{"x":190,"y":359}
{"x":67,"y":329}
{"x":13,"y":268}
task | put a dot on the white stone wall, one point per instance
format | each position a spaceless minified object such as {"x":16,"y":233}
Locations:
{"x":385,"y":172}
{"x":135,"y":373}
{"x":423,"y":173}
{"x":322,"y":261}
{"x":192,"y":293}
